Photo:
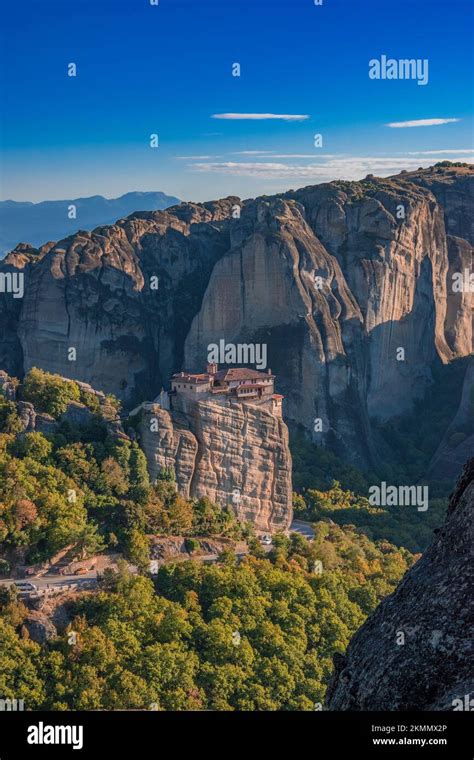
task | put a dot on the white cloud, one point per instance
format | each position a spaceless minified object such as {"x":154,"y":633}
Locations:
{"x":297,"y":155}
{"x":438,"y":152}
{"x":261,"y":116}
{"x":328,"y":168}
{"x":419,"y":123}
{"x":276,"y":155}
{"x":195,"y":158}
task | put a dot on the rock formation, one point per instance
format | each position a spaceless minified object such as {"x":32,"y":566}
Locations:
{"x":458,"y":441}
{"x":237,"y":456}
{"x":415,"y":652}
{"x":349,"y":284}
{"x":38,"y":627}
{"x":77,"y":414}
{"x":164,"y":548}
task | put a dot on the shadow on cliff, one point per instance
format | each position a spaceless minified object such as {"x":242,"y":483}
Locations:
{"x":415,"y":651}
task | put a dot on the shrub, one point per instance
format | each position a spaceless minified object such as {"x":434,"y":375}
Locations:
{"x":192,"y":545}
{"x":49,"y":393}
{"x":9,"y":419}
{"x":33,"y":445}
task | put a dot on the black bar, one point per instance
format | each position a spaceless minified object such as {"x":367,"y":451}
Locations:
{"x":141,"y":735}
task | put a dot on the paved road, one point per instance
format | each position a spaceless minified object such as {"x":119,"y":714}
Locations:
{"x":302,"y":527}
{"x":53,"y":581}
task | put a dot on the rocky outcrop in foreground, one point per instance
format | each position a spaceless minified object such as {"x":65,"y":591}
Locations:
{"x":237,"y":456}
{"x":416,"y":651}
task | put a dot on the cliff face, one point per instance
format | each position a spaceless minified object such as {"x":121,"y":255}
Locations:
{"x":415,"y":652}
{"x":452,"y":188}
{"x":389,"y":238}
{"x":348,"y":285}
{"x":457,"y":444}
{"x":237,"y":456}
{"x":121,"y":296}
{"x":265,"y":291}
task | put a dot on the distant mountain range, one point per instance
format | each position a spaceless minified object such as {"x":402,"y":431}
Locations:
{"x":23,"y":221}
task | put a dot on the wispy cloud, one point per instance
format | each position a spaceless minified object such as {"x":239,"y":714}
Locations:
{"x":419,"y":123}
{"x":449,"y":152}
{"x":195,"y":158}
{"x":262,"y":116}
{"x":273,"y":154}
{"x":326,"y":169}
{"x":297,"y":155}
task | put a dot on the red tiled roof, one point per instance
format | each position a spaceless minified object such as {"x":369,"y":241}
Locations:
{"x":188,"y":378}
{"x":240,"y":373}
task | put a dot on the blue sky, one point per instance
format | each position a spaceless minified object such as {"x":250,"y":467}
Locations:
{"x":167,"y":69}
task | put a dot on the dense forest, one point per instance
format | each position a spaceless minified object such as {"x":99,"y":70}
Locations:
{"x":328,"y":488}
{"x":82,"y":485}
{"x":255,"y":633}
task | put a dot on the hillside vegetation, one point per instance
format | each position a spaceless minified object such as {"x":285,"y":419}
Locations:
{"x":259,"y":635}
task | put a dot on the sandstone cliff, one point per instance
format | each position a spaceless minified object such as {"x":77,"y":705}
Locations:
{"x":95,"y":292}
{"x":349,"y":284}
{"x":415,"y":652}
{"x":390,"y":240}
{"x":237,"y":456}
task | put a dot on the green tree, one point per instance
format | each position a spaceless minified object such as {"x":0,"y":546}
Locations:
{"x":139,"y":479}
{"x":33,"y":445}
{"x":88,"y":541}
{"x":49,"y":393}
{"x":19,"y":668}
{"x":9,"y":419}
{"x":137,"y":549}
